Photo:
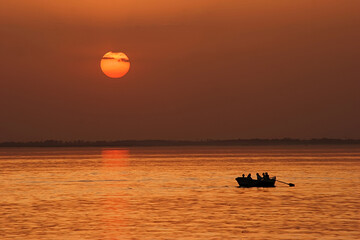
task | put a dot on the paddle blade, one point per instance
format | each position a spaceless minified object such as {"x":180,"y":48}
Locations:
{"x":291,"y":185}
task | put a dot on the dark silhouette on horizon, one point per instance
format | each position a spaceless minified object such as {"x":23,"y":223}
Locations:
{"x":208,"y":142}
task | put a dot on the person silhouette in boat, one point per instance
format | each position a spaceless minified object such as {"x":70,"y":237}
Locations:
{"x":249,"y":176}
{"x":243,"y":175}
{"x":266,"y":176}
{"x":259,"y":178}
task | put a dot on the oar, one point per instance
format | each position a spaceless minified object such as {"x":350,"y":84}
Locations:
{"x":290,"y":184}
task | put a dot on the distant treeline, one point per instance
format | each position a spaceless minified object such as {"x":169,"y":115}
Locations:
{"x":208,"y":142}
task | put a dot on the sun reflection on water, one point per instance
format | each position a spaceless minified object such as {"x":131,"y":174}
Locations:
{"x":114,"y":205}
{"x":115,"y":158}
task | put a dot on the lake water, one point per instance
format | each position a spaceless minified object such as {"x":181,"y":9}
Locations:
{"x":179,"y":193}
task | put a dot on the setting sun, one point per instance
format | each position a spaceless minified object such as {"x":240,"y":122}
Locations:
{"x":115,"y":64}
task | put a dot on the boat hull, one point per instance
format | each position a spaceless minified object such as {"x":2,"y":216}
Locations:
{"x":245,"y":182}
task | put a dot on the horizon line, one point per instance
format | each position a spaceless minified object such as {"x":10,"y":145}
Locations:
{"x":164,"y":142}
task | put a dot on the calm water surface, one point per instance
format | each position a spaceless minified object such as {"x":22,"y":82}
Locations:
{"x":178,"y":193}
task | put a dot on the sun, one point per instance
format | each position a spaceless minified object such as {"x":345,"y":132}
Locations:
{"x":115,"y":64}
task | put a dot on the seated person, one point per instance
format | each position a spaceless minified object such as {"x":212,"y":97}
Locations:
{"x":259,"y":178}
{"x":266,"y":177}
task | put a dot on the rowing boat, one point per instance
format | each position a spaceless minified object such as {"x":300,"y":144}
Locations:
{"x":248,"y":182}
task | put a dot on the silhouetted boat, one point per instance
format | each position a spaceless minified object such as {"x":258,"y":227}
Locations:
{"x":246,"y":182}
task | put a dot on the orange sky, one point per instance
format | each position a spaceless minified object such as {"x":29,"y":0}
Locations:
{"x":199,"y":69}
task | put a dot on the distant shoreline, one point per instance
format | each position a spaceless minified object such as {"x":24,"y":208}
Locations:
{"x":159,"y":143}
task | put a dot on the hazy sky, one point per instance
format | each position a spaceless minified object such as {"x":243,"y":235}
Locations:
{"x":199,"y":69}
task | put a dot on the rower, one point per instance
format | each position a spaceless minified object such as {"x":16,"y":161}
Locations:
{"x":267,"y":177}
{"x":258,"y":177}
{"x":249,"y":176}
